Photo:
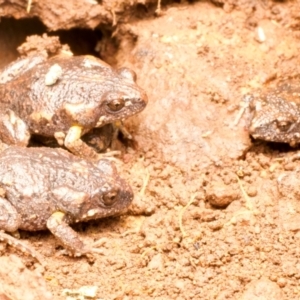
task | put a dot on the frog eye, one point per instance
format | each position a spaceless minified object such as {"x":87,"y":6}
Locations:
{"x":283,"y":125}
{"x":127,"y":73}
{"x":116,"y":104}
{"x":110,"y":198}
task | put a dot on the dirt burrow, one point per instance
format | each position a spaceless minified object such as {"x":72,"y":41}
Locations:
{"x":216,"y":214}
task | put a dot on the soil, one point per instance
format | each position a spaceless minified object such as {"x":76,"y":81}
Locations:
{"x":216,"y":215}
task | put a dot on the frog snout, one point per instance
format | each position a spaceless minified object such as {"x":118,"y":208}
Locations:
{"x":126,"y":195}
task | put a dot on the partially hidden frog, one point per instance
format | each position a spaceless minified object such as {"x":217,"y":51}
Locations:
{"x":45,"y":188}
{"x":275,"y":112}
{"x":65,"y":97}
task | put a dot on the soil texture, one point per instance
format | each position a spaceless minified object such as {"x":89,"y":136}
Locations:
{"x":216,"y":214}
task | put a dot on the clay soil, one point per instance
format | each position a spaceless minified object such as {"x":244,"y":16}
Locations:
{"x":216,"y":214}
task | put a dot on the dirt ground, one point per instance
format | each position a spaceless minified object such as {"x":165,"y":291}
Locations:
{"x":216,"y":215}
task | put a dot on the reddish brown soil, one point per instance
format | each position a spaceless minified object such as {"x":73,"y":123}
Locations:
{"x":215,"y":215}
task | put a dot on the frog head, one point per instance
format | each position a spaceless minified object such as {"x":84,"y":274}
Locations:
{"x":97,"y":93}
{"x":108,"y":195}
{"x":275,"y":119}
{"x":122,"y":99}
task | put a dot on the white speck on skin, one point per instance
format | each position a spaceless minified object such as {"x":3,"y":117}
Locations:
{"x":87,"y":63}
{"x":54,"y":73}
{"x":91,"y":212}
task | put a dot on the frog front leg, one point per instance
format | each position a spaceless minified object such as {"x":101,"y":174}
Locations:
{"x":65,"y":234}
{"x":74,"y":143}
{"x":13,"y":130}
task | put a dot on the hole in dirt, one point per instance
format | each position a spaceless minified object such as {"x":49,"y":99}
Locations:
{"x":81,"y":41}
{"x":263,"y":146}
{"x":14,"y":32}
{"x":282,"y":147}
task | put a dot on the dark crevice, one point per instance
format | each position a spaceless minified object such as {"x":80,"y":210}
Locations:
{"x":98,"y":42}
{"x":14,"y":32}
{"x":81,"y":41}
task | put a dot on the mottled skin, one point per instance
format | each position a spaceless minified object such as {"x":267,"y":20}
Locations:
{"x":84,"y":93}
{"x":51,"y":188}
{"x":275,"y":113}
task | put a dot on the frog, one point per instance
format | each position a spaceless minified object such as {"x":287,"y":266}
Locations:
{"x":65,"y":97}
{"x":50,"y":188}
{"x":274,"y":112}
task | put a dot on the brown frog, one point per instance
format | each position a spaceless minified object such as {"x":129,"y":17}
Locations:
{"x":51,"y":188}
{"x":275,"y":112}
{"x":65,"y":97}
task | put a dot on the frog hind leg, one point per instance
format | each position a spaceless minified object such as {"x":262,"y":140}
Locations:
{"x":68,"y":237}
{"x":13,"y":130}
{"x":10,"y":221}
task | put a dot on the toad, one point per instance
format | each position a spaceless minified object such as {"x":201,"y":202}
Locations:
{"x":44,"y":188}
{"x":65,"y":97}
{"x":275,"y":113}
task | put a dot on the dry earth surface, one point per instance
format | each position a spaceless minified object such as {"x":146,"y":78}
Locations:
{"x":216,"y":215}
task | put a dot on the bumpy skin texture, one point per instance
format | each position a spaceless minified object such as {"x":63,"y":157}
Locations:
{"x":275,"y":113}
{"x":67,"y":96}
{"x":51,"y":188}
